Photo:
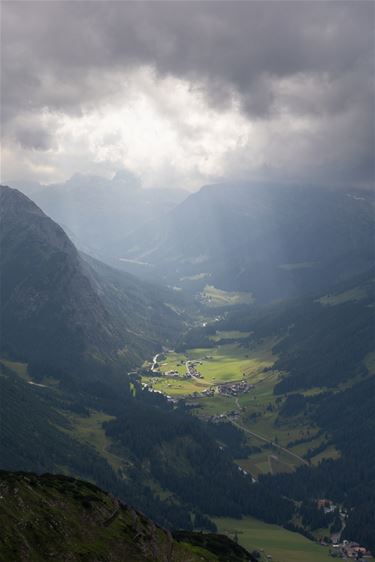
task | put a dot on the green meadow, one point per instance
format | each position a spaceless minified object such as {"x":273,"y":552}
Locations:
{"x":217,"y":297}
{"x":220,"y":364}
{"x":229,"y":335}
{"x":19,"y":368}
{"x":356,"y":294}
{"x":282,"y":545}
{"x":258,"y":409}
{"x":89,"y":430}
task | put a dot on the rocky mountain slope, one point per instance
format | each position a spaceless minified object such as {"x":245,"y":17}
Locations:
{"x":59,"y":518}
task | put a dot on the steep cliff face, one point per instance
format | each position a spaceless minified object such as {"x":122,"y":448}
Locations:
{"x":59,"y":518}
{"x":56,"y":309}
{"x":48,"y":299}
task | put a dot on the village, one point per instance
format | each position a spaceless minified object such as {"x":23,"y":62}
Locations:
{"x":341,"y":548}
{"x":350,"y":550}
{"x":234,"y":388}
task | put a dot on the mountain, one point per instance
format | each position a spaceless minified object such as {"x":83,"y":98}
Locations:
{"x":60,"y":518}
{"x":323,"y":340}
{"x":71,"y":328}
{"x":66,"y":313}
{"x":326,"y":379}
{"x":273,"y":241}
{"x":98,"y":213}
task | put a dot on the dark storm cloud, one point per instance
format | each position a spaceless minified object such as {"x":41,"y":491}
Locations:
{"x":237,"y":43}
{"x":34,"y":138}
{"x":271,"y":56}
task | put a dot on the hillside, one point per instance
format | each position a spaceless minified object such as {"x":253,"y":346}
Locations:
{"x":77,"y":326}
{"x":64,"y":317}
{"x":273,"y":241}
{"x":59,"y":518}
{"x":324,"y":340}
{"x":64,"y":314}
{"x":324,"y":381}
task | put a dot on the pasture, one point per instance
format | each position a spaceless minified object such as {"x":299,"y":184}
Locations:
{"x":282,"y":545}
{"x":258,"y":409}
{"x":217,"y":365}
{"x":89,"y":430}
{"x":216,"y":298}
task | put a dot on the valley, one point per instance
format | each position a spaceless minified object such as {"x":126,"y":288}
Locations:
{"x":165,"y":396}
{"x":253,"y":534}
{"x":187,"y":281}
{"x":234,"y":382}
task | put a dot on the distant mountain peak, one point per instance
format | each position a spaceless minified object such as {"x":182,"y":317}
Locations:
{"x":127,"y":178}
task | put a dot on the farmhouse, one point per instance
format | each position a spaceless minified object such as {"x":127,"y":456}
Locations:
{"x":233,"y":389}
{"x":172,"y":374}
{"x":352,"y":550}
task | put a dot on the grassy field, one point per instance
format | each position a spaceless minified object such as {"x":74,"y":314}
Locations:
{"x":282,"y":545}
{"x":370,"y":363}
{"x":221,"y":364}
{"x":258,"y":408}
{"x":229,"y":335}
{"x":269,"y":460}
{"x":89,"y":430}
{"x":259,"y":414}
{"x":19,"y":368}
{"x":217,"y":297}
{"x":196,"y":277}
{"x":356,"y":294}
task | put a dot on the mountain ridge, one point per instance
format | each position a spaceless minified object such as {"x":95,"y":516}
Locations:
{"x":273,"y":241}
{"x":55,"y":305}
{"x":59,"y":517}
{"x":98,"y":212}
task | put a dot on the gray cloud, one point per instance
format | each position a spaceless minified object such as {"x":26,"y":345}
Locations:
{"x":312,"y":59}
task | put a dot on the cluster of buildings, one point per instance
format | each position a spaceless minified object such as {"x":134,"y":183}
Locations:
{"x":327,"y":505}
{"x":234,"y":388}
{"x":172,"y":373}
{"x":227,"y":389}
{"x":343,"y":549}
{"x":217,"y":418}
{"x":192,"y":371}
{"x":351,"y":550}
{"x":209,"y":391}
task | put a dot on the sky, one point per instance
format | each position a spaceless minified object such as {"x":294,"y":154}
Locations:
{"x":188,"y":93}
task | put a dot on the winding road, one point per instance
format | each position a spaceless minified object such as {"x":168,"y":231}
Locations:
{"x":154,"y":362}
